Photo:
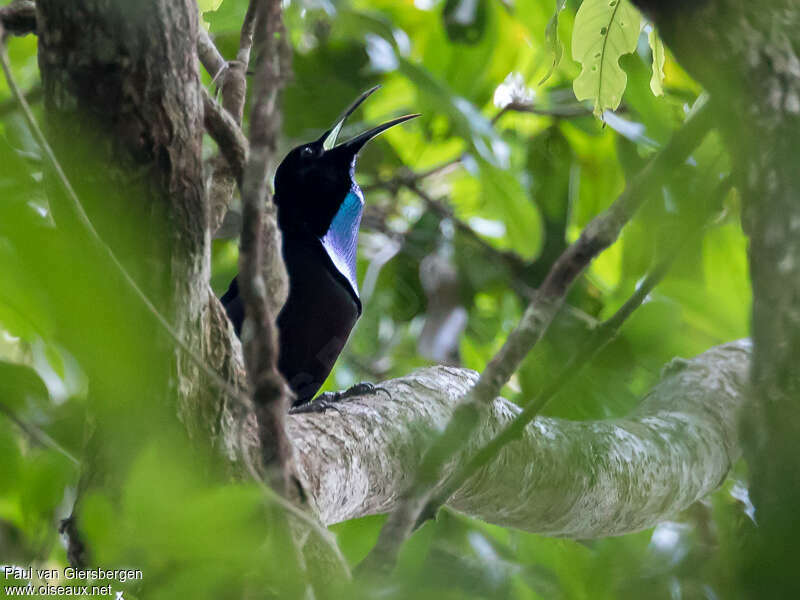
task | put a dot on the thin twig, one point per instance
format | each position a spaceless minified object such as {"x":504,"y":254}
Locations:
{"x":600,"y":233}
{"x":209,"y":55}
{"x":33,"y":96}
{"x":233,"y":88}
{"x":558,"y":112}
{"x":232,"y":142}
{"x":260,"y":245}
{"x":260,"y":248}
{"x":246,"y":35}
{"x":83,"y":219}
{"x":37,"y":436}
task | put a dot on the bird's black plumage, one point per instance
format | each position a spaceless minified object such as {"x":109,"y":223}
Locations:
{"x":319,"y":213}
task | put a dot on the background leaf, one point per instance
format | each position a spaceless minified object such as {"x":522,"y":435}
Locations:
{"x":604,"y":31}
{"x":553,"y":42}
{"x":659,"y":57}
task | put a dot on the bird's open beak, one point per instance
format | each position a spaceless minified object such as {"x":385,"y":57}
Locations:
{"x":328,"y":139}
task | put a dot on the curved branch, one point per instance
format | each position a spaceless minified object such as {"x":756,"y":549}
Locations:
{"x":233,"y":87}
{"x":232,"y":142}
{"x":566,"y":478}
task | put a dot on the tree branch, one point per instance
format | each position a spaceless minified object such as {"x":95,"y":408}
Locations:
{"x":210,"y":57}
{"x":32,"y":96}
{"x":600,"y":337}
{"x":261,"y":251}
{"x":598,"y":235}
{"x":557,"y":112}
{"x":232,"y":142}
{"x":37,"y":435}
{"x":233,"y":88}
{"x":576,"y":479}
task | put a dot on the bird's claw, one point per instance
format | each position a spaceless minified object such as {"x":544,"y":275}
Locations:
{"x":328,"y":400}
{"x":363,"y":389}
{"x":317,"y":405}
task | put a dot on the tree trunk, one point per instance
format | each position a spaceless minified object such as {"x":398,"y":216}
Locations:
{"x":748,"y":55}
{"x":124,"y":114}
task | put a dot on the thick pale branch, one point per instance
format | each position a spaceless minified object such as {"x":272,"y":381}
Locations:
{"x":602,"y":335}
{"x":565,"y":478}
{"x":598,"y":235}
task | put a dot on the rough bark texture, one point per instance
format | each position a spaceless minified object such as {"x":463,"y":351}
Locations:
{"x":577,"y":479}
{"x":233,"y":87}
{"x":748,"y":55}
{"x":121,"y":89}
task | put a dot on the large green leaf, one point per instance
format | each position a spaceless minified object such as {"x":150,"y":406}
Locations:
{"x":604,"y":31}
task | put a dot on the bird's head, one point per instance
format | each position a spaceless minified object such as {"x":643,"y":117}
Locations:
{"x":314,"y":179}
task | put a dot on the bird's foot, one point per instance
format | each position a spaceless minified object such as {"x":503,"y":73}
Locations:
{"x":330,"y":400}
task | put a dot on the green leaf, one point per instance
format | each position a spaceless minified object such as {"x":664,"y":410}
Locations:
{"x":18,"y":384}
{"x":467,"y":120}
{"x":11,"y":464}
{"x":657,"y":46}
{"x":43,"y":482}
{"x":553,"y":43}
{"x":506,"y":200}
{"x":604,"y":31}
{"x":208,"y":5}
{"x":465,"y":20}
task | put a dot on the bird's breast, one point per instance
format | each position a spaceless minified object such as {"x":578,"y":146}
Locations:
{"x":341,"y":240}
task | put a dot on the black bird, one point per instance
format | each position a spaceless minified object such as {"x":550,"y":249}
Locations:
{"x":319,"y":213}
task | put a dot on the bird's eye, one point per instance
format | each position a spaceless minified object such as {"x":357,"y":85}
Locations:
{"x":307,"y":152}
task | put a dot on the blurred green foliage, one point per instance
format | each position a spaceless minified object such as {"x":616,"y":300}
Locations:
{"x":520,"y":185}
